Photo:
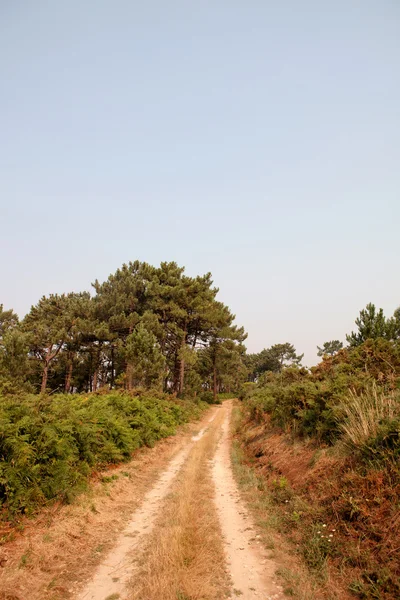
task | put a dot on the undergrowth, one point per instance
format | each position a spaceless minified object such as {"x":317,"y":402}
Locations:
{"x":325,"y":447}
{"x":49,"y":446}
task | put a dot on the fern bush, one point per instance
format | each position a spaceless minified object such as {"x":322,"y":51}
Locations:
{"x":49,"y":447}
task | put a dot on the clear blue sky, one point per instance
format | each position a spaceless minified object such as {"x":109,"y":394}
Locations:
{"x":257,"y":140}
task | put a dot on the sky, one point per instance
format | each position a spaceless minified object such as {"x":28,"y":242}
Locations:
{"x":258,"y":140}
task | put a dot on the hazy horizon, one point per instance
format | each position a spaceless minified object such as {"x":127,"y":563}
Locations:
{"x":260,"y":142}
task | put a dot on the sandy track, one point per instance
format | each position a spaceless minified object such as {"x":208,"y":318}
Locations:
{"x":114,"y":573}
{"x":251,"y":571}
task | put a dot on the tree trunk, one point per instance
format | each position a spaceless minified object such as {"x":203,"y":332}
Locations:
{"x":181,"y":375}
{"x":95,"y":375}
{"x":112,"y":369}
{"x":44,"y":378}
{"x":49,"y":357}
{"x":129,"y":376}
{"x":68,"y":377}
{"x":182,"y":364}
{"x":175,"y":382}
{"x":215,"y":383}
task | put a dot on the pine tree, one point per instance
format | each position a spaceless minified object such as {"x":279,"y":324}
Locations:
{"x":371,"y":324}
{"x":330,"y":348}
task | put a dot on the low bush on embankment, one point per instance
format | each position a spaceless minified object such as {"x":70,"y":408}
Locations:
{"x":50,"y":445}
{"x":325,"y":446}
{"x":226,"y":395}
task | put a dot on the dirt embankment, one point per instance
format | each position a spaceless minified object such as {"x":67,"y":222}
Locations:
{"x":342,"y":519}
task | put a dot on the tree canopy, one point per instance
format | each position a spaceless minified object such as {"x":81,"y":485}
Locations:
{"x":144,"y":326}
{"x":150,"y":327}
{"x":330,"y":348}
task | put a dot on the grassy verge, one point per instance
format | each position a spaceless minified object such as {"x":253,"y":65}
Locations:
{"x":50,"y":446}
{"x":261,"y":499}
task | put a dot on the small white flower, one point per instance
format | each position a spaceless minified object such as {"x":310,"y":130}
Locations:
{"x":324,"y":525}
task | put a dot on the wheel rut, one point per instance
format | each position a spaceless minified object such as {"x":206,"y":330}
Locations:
{"x":191,"y":537}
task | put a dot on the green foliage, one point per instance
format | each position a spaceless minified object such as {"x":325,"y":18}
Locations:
{"x":371,"y":324}
{"x":246,"y":390}
{"x":8,"y":320}
{"x":273,"y":359}
{"x":52,"y":326}
{"x":208,"y":397}
{"x":14,"y":365}
{"x":330,"y":348}
{"x":347,"y":396}
{"x":304,"y":407}
{"x":145,"y":326}
{"x":145,"y":359}
{"x":317,"y":547}
{"x":227,"y":395}
{"x":50,"y":445}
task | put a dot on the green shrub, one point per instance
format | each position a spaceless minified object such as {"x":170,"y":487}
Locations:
{"x":49,"y":446}
{"x":207,"y":397}
{"x":246,"y":390}
{"x":320,"y":405}
{"x":227,"y":395}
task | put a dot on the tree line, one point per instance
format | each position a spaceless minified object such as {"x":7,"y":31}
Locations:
{"x":145,"y":326}
{"x":371,"y":324}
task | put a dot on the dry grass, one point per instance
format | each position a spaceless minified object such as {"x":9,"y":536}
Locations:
{"x":363,"y":414}
{"x":51,"y":555}
{"x":184,"y":558}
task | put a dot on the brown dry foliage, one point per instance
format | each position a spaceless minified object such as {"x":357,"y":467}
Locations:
{"x":363,"y":507}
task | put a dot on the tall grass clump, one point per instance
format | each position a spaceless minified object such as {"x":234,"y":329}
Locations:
{"x":364,"y":415}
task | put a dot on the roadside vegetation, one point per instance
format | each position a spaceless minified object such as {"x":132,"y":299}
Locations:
{"x":145,"y":326}
{"x":86,"y":379}
{"x":50,"y":445}
{"x":323,"y":448}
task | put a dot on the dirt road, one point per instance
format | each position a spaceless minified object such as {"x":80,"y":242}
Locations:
{"x":187,"y":536}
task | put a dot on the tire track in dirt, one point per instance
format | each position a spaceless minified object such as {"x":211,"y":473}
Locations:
{"x":184,"y":556}
{"x":251,"y":571}
{"x":114,"y":573}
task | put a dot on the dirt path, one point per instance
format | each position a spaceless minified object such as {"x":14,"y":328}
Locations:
{"x":183,"y":534}
{"x":114,"y":573}
{"x":191,"y":538}
{"x":252,"y":572}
